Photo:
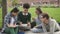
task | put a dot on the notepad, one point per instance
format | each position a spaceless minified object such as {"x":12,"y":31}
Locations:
{"x":24,"y":25}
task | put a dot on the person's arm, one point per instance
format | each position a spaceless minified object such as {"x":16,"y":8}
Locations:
{"x":57,"y":26}
{"x":29,"y":20}
{"x":19,"y":19}
{"x":7,"y":20}
{"x":53,"y":27}
{"x":6,"y":23}
{"x":38,"y":26}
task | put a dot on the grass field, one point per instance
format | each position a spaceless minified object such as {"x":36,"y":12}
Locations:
{"x":53,"y":12}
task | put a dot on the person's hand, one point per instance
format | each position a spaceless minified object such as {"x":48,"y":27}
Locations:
{"x":20,"y":23}
{"x":12,"y":25}
{"x":8,"y":25}
{"x":28,"y":24}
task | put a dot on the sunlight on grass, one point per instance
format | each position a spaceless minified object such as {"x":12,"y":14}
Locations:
{"x":53,"y":12}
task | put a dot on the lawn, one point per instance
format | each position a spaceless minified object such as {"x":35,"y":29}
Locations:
{"x":53,"y":12}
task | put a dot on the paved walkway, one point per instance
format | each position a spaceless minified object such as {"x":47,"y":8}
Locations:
{"x":29,"y":32}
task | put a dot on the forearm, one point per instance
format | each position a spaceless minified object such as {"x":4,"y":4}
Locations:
{"x":20,"y":23}
{"x":28,"y":24}
{"x":58,"y":27}
{"x":8,"y":24}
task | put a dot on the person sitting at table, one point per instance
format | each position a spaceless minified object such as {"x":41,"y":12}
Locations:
{"x":48,"y":24}
{"x":10,"y":21}
{"x":37,"y":21}
{"x":24,"y":17}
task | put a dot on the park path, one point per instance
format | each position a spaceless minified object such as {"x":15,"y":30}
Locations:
{"x":28,"y":32}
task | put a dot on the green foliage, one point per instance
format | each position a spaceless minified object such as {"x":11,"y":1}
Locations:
{"x":15,"y":2}
{"x":0,"y":1}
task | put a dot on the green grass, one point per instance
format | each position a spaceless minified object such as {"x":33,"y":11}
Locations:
{"x":0,"y":17}
{"x":53,"y":12}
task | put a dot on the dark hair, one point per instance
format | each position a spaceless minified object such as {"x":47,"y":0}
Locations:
{"x":45,"y":15}
{"x":40,"y":11}
{"x":15,"y":10}
{"x":26,"y":5}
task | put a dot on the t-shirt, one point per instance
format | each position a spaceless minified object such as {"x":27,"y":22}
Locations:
{"x":24,"y":18}
{"x":12,"y":21}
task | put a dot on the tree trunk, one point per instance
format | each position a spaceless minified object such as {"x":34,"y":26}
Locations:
{"x":58,"y":3}
{"x":4,"y":10}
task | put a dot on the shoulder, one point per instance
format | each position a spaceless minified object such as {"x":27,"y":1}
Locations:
{"x":20,"y":13}
{"x":53,"y":21}
{"x":7,"y":15}
{"x":29,"y":13}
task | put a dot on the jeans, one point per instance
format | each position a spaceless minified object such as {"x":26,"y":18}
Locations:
{"x":11,"y":30}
